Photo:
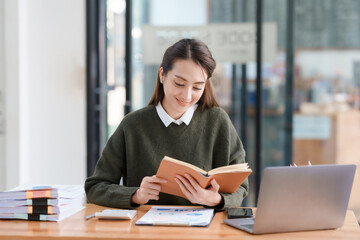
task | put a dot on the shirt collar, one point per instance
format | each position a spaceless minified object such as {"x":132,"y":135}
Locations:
{"x":167,"y":120}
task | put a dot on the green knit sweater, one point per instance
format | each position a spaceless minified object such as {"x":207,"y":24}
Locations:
{"x":138,"y":145}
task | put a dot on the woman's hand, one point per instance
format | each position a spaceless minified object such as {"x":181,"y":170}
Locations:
{"x":149,"y":190}
{"x":198,"y":195}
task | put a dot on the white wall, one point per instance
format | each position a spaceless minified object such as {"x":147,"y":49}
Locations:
{"x":45,"y":92}
{"x":328,"y":63}
{"x":2,"y":97}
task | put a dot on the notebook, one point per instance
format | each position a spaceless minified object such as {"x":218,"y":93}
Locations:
{"x":300,"y":199}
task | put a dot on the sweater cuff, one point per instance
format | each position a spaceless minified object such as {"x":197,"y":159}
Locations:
{"x":219,"y":207}
{"x":127,"y":196}
{"x":232,"y":200}
{"x":122,"y":199}
{"x":134,"y":205}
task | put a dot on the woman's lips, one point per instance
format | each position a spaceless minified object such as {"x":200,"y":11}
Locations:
{"x":181,"y":103}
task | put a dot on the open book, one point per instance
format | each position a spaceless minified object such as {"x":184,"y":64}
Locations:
{"x":228,"y":177}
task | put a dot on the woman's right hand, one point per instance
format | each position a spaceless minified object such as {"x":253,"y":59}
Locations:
{"x":149,"y":190}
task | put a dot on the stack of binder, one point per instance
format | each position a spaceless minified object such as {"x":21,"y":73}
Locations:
{"x":42,"y":203}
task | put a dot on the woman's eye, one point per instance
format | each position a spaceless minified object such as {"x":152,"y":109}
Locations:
{"x":179,"y":84}
{"x":197,"y":89}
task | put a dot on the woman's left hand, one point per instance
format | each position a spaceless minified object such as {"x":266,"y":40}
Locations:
{"x":198,"y":195}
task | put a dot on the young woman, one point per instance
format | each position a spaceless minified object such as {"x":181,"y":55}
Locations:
{"x":182,"y":120}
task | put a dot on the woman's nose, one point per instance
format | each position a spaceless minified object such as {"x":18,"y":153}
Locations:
{"x":186,"y":94}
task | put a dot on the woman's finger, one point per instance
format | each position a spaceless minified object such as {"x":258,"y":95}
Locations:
{"x":215,"y":186}
{"x":193,"y":182}
{"x":185,"y":191}
{"x":186,"y":184}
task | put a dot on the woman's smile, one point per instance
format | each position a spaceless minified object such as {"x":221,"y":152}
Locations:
{"x":183,"y":103}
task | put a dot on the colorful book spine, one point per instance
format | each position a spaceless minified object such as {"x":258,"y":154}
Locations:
{"x":31,"y":209}
{"x":31,"y":217}
{"x":29,"y":194}
{"x":39,"y":194}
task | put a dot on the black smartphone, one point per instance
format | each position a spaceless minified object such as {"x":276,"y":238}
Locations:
{"x":239,"y":212}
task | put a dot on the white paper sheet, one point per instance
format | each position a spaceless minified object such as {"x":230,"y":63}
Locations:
{"x":177,"y":216}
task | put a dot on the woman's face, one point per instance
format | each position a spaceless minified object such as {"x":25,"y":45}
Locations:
{"x":183,"y":86}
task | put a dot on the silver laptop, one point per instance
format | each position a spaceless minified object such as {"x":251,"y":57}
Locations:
{"x":299,"y":199}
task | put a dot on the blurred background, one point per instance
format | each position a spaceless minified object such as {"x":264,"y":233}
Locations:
{"x":70,"y":71}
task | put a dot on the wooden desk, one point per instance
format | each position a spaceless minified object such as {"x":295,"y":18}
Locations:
{"x":76,"y":227}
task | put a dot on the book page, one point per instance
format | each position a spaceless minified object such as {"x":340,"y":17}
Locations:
{"x":186,"y":164}
{"x":242,"y":167}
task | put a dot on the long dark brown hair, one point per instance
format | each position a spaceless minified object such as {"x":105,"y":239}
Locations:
{"x":197,"y":51}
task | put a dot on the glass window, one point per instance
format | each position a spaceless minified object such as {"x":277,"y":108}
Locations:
{"x":115,"y":28}
{"x":326,"y":82}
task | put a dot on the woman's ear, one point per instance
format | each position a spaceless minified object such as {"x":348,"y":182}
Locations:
{"x":161,"y":74}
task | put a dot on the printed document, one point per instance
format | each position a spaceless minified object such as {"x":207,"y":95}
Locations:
{"x":177,"y":216}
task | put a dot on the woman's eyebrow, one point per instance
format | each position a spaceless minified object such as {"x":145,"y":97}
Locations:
{"x":200,"y":82}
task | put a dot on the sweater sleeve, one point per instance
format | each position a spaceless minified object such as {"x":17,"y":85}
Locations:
{"x":103,"y":187}
{"x":236,"y":156}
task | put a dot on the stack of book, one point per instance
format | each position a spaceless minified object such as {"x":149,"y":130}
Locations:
{"x":41,"y":203}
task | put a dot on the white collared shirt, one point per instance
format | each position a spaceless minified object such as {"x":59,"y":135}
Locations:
{"x":167,"y":120}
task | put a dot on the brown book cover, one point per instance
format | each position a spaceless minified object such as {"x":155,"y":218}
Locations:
{"x":228,"y":177}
